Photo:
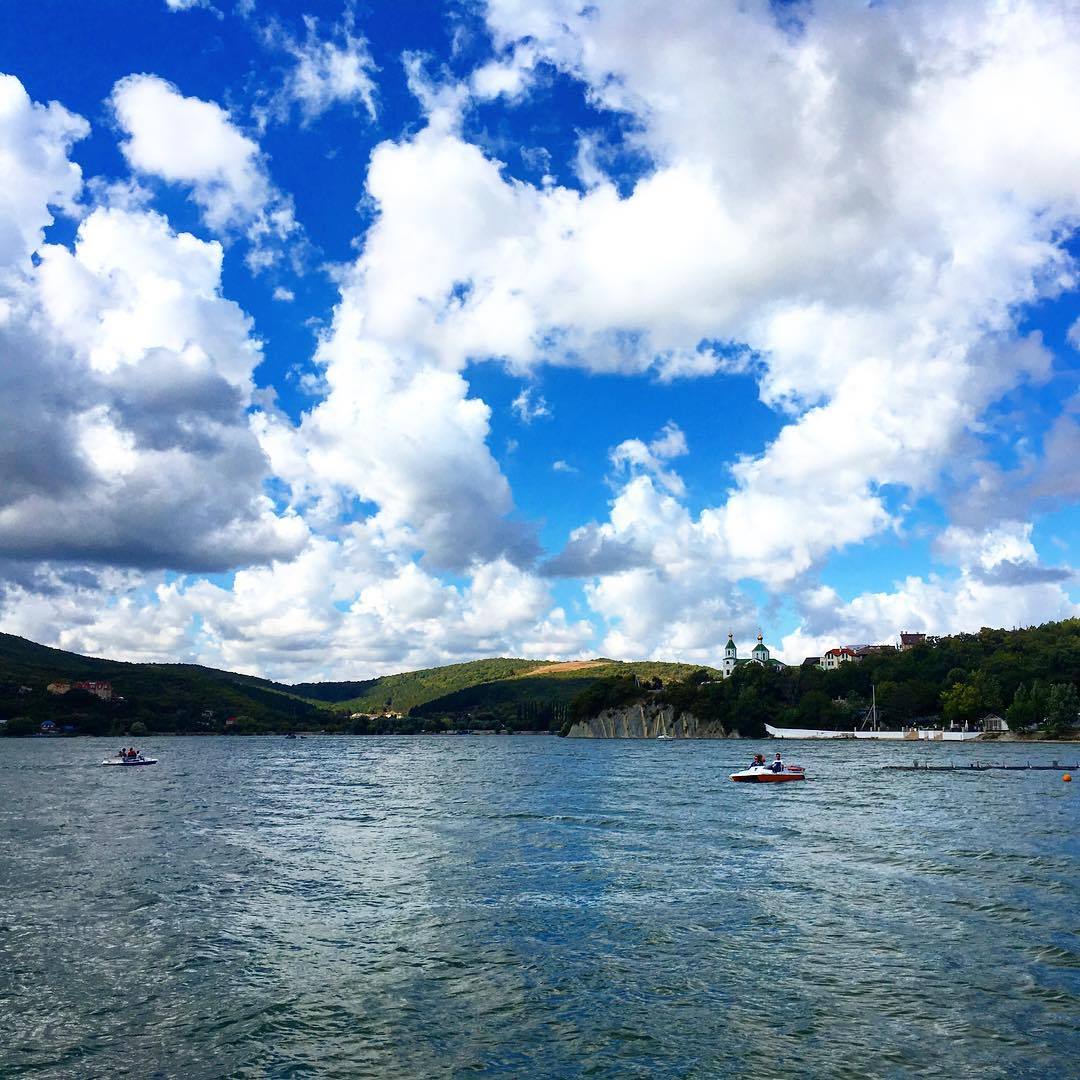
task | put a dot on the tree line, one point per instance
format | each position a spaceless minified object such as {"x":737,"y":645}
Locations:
{"x":1029,"y":676}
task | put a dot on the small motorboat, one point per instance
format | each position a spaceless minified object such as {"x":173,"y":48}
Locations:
{"x":760,"y":774}
{"x":663,"y":737}
{"x":130,"y":761}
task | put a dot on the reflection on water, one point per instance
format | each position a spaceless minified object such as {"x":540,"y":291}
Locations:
{"x":533,"y":906}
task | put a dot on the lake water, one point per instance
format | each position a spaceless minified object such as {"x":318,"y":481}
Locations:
{"x":529,"y":906}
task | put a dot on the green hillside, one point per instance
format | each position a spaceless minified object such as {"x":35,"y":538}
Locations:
{"x":160,"y":697}
{"x":503,"y":691}
{"x":402,"y":692}
{"x":541,"y":697}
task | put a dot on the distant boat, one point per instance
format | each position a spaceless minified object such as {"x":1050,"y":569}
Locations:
{"x":870,"y":728}
{"x":664,"y":737}
{"x":131,"y":761}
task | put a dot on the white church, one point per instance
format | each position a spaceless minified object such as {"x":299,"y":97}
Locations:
{"x":759,"y":654}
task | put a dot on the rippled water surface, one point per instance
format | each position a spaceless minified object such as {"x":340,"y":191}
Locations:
{"x":534,"y":906}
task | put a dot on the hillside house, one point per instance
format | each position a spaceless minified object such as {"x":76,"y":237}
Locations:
{"x":909,"y":640}
{"x":840,"y":655}
{"x":97,"y":687}
{"x":863,"y":651}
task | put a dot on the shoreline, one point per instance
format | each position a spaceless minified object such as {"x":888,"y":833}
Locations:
{"x":1012,"y":738}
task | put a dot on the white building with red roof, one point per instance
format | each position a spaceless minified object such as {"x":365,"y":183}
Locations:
{"x":843,"y":654}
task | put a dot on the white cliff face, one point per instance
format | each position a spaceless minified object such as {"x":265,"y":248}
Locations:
{"x":647,"y":720}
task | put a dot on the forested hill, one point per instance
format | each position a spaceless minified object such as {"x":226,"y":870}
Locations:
{"x":159,"y":697}
{"x":1028,"y":676}
{"x":541,"y":696}
{"x":400,"y":693}
{"x":493,"y":686}
{"x":959,"y":678}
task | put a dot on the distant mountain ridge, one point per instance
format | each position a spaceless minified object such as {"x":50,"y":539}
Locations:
{"x":193,"y":698}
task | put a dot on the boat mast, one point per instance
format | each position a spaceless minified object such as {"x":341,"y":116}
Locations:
{"x":871,"y":717}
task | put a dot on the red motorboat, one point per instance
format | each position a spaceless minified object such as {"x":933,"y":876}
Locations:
{"x":762,"y":774}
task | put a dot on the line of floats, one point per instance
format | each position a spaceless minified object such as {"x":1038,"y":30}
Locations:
{"x":982,"y":766}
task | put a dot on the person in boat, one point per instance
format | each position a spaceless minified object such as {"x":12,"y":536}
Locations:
{"x":133,"y":753}
{"x":758,"y":762}
{"x":777,"y":765}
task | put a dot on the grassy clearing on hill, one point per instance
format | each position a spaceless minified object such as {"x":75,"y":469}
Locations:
{"x":561,"y":667}
{"x":604,"y":668}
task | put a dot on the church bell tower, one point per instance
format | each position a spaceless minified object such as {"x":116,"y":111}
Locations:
{"x":730,"y":654}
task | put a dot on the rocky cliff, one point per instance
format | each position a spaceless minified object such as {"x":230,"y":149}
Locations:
{"x":646,"y":720}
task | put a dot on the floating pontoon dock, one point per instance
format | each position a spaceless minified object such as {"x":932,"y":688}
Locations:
{"x":981,"y":766}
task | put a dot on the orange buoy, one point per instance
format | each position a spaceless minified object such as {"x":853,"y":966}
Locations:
{"x":1067,"y":778}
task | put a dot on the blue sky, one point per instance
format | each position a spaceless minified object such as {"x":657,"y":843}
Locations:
{"x":345,"y":338}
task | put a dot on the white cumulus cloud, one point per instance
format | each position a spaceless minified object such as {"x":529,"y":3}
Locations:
{"x":35,"y":171}
{"x":124,"y":385}
{"x":184,"y":140}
